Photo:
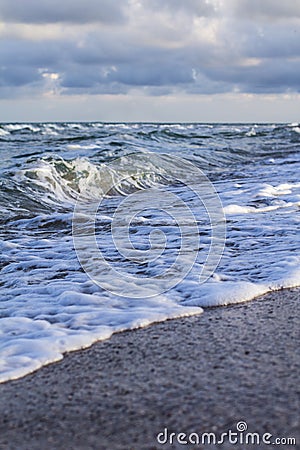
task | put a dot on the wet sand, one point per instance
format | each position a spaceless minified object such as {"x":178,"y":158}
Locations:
{"x":200,"y":374}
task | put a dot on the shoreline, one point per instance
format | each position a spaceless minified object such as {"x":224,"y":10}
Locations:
{"x":197,"y":374}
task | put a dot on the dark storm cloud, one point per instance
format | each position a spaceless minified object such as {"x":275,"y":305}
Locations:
{"x":9,"y":77}
{"x":119,"y":71}
{"x":267,"y":77}
{"x":272,"y":42}
{"x":69,"y":11}
{"x":192,"y":7}
{"x":21,"y":63}
{"x":266,"y":9}
{"x":193,"y":46}
{"x":143,"y":75}
{"x":162,"y":74}
{"x":16,"y":53}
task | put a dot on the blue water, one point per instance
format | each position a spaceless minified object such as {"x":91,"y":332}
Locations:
{"x":109,"y":227}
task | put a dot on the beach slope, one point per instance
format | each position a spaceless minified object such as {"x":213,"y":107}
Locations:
{"x":198,"y":374}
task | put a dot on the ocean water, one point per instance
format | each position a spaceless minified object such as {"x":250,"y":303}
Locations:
{"x":110,"y":227}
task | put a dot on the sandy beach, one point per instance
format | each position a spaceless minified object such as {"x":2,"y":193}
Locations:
{"x":194,"y":375}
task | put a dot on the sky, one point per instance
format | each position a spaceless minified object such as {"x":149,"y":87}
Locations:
{"x":150,"y":60}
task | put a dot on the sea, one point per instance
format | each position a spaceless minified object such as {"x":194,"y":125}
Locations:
{"x":106,"y":227}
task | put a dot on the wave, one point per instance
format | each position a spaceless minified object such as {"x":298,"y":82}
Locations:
{"x":4,"y":132}
{"x":213,"y":148}
{"x":159,"y":130}
{"x":53,"y":182}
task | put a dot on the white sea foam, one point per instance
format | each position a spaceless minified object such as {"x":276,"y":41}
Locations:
{"x":226,"y":292}
{"x":47,"y":321}
{"x":82,"y":147}
{"x":236,"y":209}
{"x":15,"y":127}
{"x":251,"y":132}
{"x":22,"y":126}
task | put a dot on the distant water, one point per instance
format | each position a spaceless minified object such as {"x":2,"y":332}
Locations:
{"x":49,"y":305}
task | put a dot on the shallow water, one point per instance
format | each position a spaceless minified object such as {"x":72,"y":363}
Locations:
{"x":157,"y":227}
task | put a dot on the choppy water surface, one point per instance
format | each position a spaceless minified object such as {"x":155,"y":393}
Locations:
{"x":50,"y":305}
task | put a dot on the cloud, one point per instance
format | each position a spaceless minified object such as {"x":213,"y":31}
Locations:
{"x":191,"y":7}
{"x":280,"y":41}
{"x":22,"y":76}
{"x":113,"y":47}
{"x":265,"y":77}
{"x":69,"y":11}
{"x":266,"y":10}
